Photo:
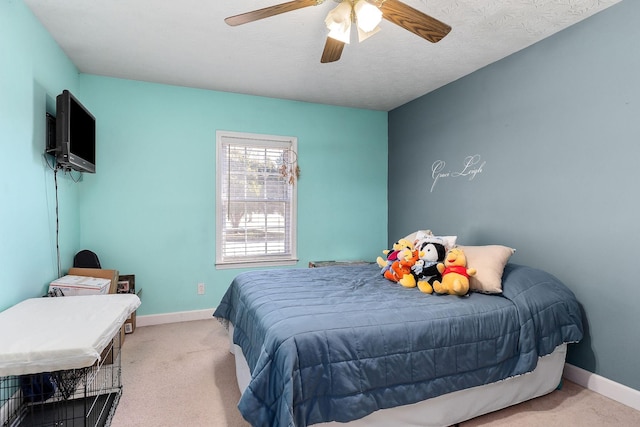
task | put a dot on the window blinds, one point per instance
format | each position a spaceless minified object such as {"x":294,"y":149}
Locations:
{"x":256,"y":201}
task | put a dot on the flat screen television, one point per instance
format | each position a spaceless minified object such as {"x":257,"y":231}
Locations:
{"x":75,"y":134}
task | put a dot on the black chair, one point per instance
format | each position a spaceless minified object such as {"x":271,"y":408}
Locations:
{"x":86,"y":259}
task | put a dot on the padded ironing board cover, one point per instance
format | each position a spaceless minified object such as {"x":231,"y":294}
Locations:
{"x":52,"y":334}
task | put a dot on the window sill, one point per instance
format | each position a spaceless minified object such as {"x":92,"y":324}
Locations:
{"x":251,"y":264}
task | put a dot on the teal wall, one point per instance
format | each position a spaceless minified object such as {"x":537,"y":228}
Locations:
{"x":150,"y":208}
{"x":558,"y":126}
{"x":33,"y":70}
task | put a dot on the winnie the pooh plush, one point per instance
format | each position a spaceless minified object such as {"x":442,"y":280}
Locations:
{"x":455,"y":274}
{"x":392,"y":254}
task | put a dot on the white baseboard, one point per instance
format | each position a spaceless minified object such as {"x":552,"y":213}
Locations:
{"x":180,"y":316}
{"x":601,"y":385}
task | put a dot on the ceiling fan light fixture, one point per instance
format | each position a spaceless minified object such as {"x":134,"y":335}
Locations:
{"x":341,"y":34}
{"x":338,"y":21}
{"x":368,"y":16}
{"x":363,"y":35}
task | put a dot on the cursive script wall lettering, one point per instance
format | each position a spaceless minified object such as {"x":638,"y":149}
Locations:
{"x":470,"y":167}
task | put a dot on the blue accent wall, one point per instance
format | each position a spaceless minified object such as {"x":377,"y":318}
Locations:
{"x":556,"y":132}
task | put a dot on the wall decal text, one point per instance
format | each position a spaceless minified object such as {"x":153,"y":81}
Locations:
{"x":471,"y":166}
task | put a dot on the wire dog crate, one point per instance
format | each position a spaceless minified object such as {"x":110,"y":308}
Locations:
{"x":85,"y":397}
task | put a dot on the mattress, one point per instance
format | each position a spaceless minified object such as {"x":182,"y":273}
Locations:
{"x":51,"y":334}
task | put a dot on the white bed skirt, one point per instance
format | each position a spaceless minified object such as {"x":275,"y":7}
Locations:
{"x":450,"y":408}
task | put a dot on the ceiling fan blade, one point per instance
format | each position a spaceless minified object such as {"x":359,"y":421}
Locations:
{"x":255,"y":15}
{"x":332,"y":50}
{"x":413,"y":20}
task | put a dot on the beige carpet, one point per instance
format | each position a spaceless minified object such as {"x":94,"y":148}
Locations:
{"x":178,"y":374}
{"x":182,"y":374}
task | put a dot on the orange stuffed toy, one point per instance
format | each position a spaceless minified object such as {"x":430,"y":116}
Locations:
{"x":402,"y":266}
{"x":391,"y":255}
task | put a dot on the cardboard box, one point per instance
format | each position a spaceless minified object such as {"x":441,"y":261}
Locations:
{"x":72,"y":285}
{"x":98,"y":272}
{"x":127,"y":285}
{"x":130,"y":324}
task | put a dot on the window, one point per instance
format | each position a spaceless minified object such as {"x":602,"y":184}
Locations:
{"x":255,"y":201}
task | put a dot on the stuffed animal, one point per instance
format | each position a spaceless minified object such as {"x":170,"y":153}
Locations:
{"x":401,"y":267}
{"x":425,"y":271}
{"x":455,"y":274}
{"x":392,"y":254}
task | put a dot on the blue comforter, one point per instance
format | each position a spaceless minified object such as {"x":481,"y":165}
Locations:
{"x":337,"y":343}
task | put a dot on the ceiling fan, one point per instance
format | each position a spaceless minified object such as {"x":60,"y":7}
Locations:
{"x":365,"y":14}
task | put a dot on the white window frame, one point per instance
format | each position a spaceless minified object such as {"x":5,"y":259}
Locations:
{"x":259,"y":140}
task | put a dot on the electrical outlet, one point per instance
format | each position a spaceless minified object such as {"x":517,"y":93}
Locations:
{"x":200,"y":288}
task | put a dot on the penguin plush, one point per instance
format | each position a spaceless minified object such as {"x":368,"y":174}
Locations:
{"x":425,"y":271}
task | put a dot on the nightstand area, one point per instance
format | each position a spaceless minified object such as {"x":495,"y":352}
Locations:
{"x":315,"y":264}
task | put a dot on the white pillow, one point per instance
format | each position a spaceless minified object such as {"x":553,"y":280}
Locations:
{"x":418,"y":234}
{"x":489,"y":261}
{"x":447,"y":241}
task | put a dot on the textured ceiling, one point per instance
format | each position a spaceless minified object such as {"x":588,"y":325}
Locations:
{"x":187,"y":43}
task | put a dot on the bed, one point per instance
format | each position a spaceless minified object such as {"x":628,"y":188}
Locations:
{"x":344,"y":345}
